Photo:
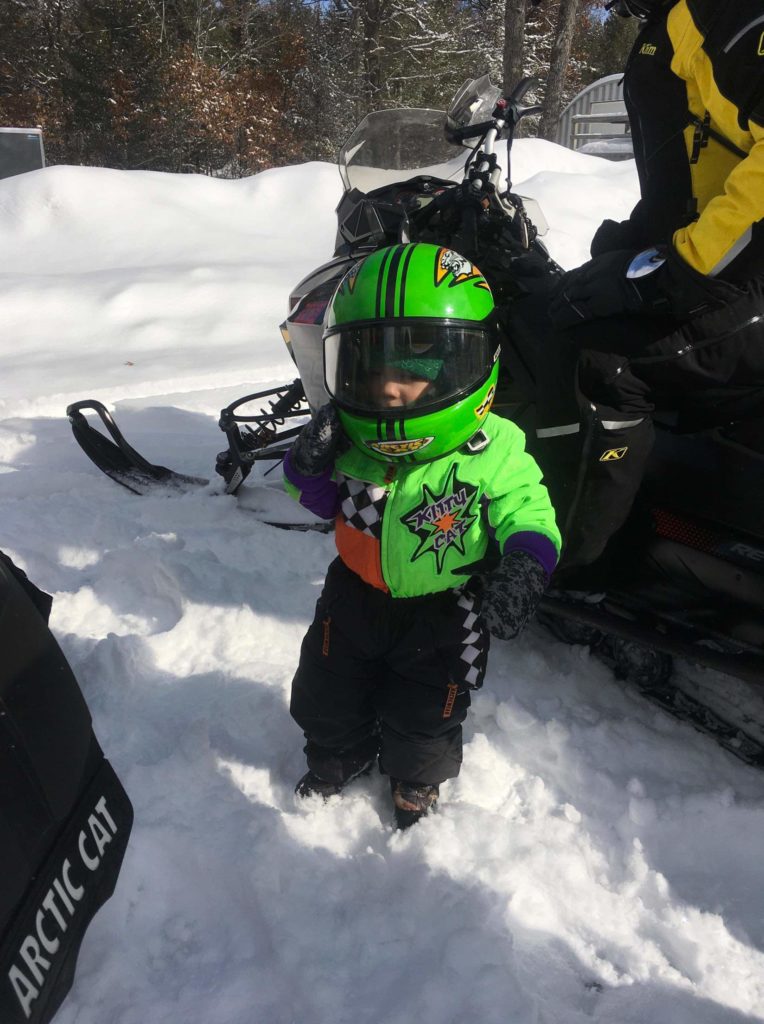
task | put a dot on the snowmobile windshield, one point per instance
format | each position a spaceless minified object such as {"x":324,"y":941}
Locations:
{"x":371,"y":368}
{"x":474,"y":103}
{"x":387,"y":142}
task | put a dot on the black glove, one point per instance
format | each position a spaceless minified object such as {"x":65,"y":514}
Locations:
{"x":533,"y":264}
{"x":315,"y":448}
{"x":511,"y":593}
{"x":613,"y":234}
{"x":654,"y":281}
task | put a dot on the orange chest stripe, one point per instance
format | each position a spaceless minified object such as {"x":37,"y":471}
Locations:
{"x":360,"y":552}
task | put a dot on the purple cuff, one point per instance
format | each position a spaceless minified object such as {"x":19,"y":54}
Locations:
{"x":535,"y":544}
{"x":319,"y":494}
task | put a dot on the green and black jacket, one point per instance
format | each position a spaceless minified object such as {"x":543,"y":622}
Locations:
{"x":416,"y":529}
{"x":694,"y":91}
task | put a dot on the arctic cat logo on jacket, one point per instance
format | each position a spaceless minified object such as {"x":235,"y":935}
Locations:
{"x":442,"y":520}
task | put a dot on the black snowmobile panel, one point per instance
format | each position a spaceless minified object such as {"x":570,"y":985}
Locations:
{"x":27,"y":824}
{"x":43,"y":708}
{"x":712,"y":471}
{"x":693,"y":567}
{"x":375,"y":218}
{"x":39,"y":950}
{"x":64,"y":817}
{"x":39,"y":598}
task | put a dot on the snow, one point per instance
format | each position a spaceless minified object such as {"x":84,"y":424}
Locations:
{"x":595,"y":860}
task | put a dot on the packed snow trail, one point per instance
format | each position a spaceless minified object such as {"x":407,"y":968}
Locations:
{"x":595,"y":860}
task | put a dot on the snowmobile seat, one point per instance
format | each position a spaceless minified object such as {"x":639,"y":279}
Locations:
{"x":710,"y":473}
{"x":746,"y":433}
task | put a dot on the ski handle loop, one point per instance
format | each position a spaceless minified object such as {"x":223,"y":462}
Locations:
{"x":288,"y":401}
{"x":74,"y":413}
{"x":264,"y":441}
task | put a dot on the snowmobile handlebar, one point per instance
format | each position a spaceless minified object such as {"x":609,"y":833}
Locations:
{"x":509,"y":107}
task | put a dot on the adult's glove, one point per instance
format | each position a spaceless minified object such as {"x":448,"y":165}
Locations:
{"x":315,"y":448}
{"x":654,"y":281}
{"x":511,"y":593}
{"x":611,"y":235}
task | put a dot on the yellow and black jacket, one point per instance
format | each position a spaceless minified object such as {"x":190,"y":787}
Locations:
{"x":694,"y":90}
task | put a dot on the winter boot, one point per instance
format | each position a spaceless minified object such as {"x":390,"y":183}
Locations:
{"x":312,"y":784}
{"x":412,"y":801}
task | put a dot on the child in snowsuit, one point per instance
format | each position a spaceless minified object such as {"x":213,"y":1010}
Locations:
{"x":429,"y":492}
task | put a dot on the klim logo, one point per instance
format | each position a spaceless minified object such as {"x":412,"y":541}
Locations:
{"x":613,"y":454}
{"x":761,"y":45}
{"x":648,"y":50}
{"x":58,"y":908}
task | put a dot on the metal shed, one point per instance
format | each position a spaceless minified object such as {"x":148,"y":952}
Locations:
{"x":596,"y":122}
{"x":21,"y":149}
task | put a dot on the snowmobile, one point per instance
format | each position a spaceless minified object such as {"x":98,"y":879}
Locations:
{"x":64,"y":817}
{"x":690,"y":559}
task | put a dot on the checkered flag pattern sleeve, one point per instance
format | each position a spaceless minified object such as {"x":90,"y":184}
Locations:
{"x":362,"y":505}
{"x":473,"y":641}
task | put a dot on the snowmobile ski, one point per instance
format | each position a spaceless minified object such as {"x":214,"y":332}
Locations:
{"x":118,"y":459}
{"x":123,"y":464}
{"x":251,"y":438}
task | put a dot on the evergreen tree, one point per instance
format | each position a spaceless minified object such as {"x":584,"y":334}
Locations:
{"x":606,"y":42}
{"x":230,"y":86}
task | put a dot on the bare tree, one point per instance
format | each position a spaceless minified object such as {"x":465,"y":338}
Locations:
{"x":555,"y":83}
{"x":514,"y":41}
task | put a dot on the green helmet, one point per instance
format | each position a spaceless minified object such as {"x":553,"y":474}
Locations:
{"x":411,"y":355}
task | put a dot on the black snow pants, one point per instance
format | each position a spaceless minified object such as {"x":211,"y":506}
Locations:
{"x":387,"y":677}
{"x":598,"y":385}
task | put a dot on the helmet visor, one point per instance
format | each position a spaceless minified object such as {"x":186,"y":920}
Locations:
{"x":375,"y":368}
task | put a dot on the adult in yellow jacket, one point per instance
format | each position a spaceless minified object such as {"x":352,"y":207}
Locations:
{"x":669,"y":311}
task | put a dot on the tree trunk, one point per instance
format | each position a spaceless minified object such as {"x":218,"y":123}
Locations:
{"x":373,"y":13}
{"x":514,"y":40}
{"x":555,"y":83}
